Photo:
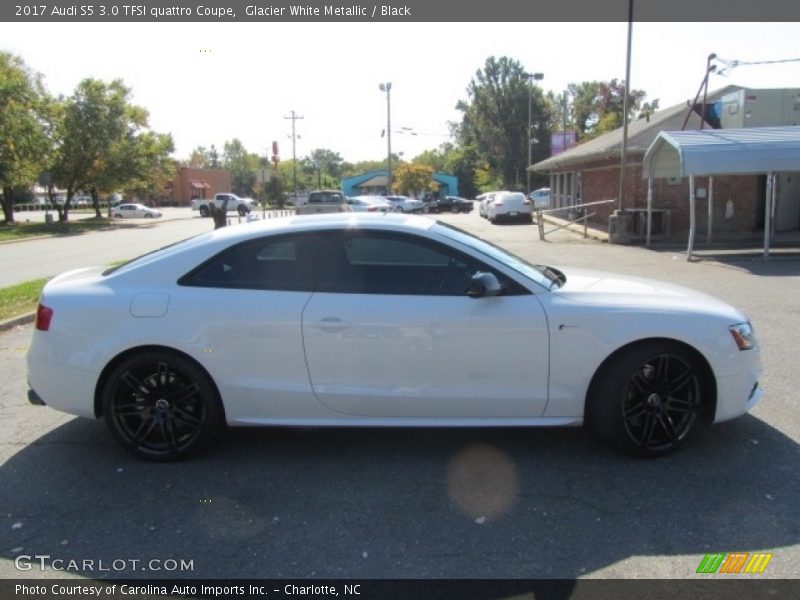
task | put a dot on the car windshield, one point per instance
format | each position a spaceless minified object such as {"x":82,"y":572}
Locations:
{"x":545,"y":276}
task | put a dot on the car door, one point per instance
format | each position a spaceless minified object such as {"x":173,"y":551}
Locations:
{"x":391,"y":332}
{"x":246,"y":305}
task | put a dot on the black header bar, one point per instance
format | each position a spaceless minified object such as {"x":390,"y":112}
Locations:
{"x":310,"y":11}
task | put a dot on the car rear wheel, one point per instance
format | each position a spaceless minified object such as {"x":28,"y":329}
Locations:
{"x":648,"y":400}
{"x":243,"y":210}
{"x":161,"y":406}
{"x":204,"y":211}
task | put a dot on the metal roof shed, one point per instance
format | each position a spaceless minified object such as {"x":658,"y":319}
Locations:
{"x":712,"y":152}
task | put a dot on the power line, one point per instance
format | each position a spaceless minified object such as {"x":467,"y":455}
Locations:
{"x":732,"y":64}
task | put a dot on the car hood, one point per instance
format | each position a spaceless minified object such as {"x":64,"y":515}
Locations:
{"x":627,"y":293}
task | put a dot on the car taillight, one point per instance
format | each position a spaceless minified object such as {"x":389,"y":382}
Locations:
{"x":44,"y":315}
{"x":372,"y":209}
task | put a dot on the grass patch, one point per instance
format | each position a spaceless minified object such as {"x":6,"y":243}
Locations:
{"x":20,"y":231}
{"x":20,"y":299}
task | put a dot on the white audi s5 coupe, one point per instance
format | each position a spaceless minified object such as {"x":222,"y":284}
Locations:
{"x":344,"y":320}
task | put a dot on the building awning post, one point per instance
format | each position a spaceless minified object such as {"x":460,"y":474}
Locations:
{"x":768,"y":211}
{"x":649,"y":209}
{"x":692,"y":219}
{"x":710,"y":222}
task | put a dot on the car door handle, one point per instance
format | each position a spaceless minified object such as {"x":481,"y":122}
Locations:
{"x":331,"y":324}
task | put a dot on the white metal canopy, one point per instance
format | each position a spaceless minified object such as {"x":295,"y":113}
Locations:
{"x":712,"y":152}
{"x":723,"y":152}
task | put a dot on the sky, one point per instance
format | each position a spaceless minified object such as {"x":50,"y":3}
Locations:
{"x":209,"y":83}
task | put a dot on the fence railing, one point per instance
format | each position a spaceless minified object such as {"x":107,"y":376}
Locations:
{"x":580,"y":215}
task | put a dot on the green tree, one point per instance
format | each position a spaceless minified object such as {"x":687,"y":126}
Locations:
{"x":24,"y":123}
{"x":413,"y":179}
{"x":200,"y":158}
{"x":143,"y":164}
{"x":326,"y":168}
{"x":436,"y":159}
{"x":242,"y":165}
{"x":104,"y":143}
{"x":276,"y":190}
{"x":495,"y":119}
{"x":598,"y":106}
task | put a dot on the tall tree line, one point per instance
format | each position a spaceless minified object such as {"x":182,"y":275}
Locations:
{"x":94,"y":140}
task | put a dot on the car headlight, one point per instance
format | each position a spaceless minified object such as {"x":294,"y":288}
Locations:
{"x":743,"y":335}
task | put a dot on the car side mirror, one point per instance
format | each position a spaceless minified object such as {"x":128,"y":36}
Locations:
{"x":484,"y":284}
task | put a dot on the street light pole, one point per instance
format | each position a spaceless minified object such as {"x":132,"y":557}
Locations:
{"x":530,"y":77}
{"x":387,"y":87}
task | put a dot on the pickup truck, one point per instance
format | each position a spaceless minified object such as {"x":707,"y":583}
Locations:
{"x":323,"y":201}
{"x":241,"y":205}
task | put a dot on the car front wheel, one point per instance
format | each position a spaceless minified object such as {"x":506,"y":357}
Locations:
{"x":648,"y":400}
{"x":161,"y":406}
{"x":204,"y":212}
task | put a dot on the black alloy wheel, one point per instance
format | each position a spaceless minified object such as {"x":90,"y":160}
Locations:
{"x":161,"y":406}
{"x":649,"y":400}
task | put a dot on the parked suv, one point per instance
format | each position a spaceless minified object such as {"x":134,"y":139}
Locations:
{"x":323,"y":201}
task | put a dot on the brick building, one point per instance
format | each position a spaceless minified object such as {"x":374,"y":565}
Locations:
{"x":194,"y":182}
{"x":591,"y":171}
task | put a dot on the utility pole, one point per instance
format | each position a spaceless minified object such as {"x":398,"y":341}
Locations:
{"x":626,"y":98}
{"x":294,"y":117}
{"x":387,"y":87}
{"x":530,"y":77}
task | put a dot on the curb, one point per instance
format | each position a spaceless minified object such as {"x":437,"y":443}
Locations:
{"x":17,"y":321}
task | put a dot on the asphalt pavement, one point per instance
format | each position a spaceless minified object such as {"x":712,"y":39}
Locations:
{"x":433,"y":503}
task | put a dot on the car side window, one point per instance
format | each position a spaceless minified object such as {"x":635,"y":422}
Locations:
{"x":380,"y":262}
{"x":272,"y":263}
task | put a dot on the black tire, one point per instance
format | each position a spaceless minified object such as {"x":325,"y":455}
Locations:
{"x":454,"y":210}
{"x":242,"y":210}
{"x":204,"y":212}
{"x":148,"y":216}
{"x":649,"y":399}
{"x":161,"y":406}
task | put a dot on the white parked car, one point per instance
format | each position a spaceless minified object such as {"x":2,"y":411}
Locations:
{"x":369,"y":204}
{"x":404,"y":204}
{"x":509,"y":206}
{"x":483,"y":201}
{"x":343,"y":320}
{"x":134,"y":211}
{"x":540,"y":198}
